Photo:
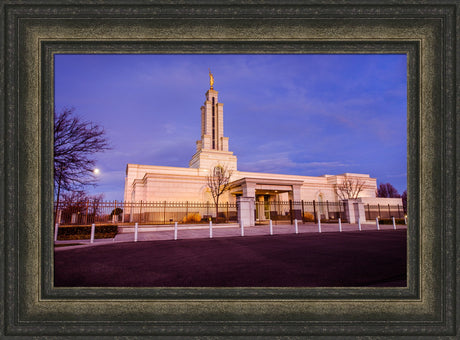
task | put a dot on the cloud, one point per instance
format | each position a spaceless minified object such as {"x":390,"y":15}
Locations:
{"x":400,"y":175}
{"x":283,"y":113}
{"x":285,"y":162}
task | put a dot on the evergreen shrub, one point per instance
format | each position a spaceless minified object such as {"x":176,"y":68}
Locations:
{"x":84,"y":232}
{"x":390,"y":221}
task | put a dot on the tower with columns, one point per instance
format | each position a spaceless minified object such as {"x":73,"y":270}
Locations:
{"x":212,"y":148}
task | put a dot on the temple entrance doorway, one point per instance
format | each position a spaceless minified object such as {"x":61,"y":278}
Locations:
{"x":263,"y":207}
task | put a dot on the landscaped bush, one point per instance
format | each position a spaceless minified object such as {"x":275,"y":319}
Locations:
{"x":308,"y":217}
{"x":192,"y":218}
{"x":84,"y":232}
{"x":390,"y":221}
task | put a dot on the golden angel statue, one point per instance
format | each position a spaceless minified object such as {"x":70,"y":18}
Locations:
{"x":211,"y":79}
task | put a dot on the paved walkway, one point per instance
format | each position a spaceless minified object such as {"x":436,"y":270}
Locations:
{"x":329,"y":259}
{"x":194,"y":231}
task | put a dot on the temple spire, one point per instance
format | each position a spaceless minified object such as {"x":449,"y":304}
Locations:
{"x":212,"y":148}
{"x":211,"y":79}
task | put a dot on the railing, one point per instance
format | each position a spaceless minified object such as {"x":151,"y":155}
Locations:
{"x":305,"y":211}
{"x":85,"y":213}
{"x":98,"y":212}
{"x":383,"y":211}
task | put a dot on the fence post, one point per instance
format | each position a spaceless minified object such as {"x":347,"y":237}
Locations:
{"x":175,"y":231}
{"x":389,"y":211}
{"x":242,"y":228}
{"x":377,"y":223}
{"x":378,"y":206}
{"x":319,"y":223}
{"x":93,"y":227}
{"x":131,"y":212}
{"x":164,"y":213}
{"x":303,"y":212}
{"x":56,"y":227}
{"x":296,"y":226}
{"x":140,"y":212}
{"x":210,"y":229}
{"x":271,"y":227}
{"x":314,"y":210}
{"x":327,"y":208}
{"x":359,"y":224}
{"x":340,"y":225}
{"x":226,"y":217}
{"x":368,"y":212}
{"x":123,"y":212}
{"x":394,"y":223}
{"x":136,"y":230}
{"x":290,"y":210}
{"x":399,"y":212}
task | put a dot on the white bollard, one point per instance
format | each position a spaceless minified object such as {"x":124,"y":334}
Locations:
{"x":340,"y":225}
{"x":93,"y":227}
{"x":319,"y":225}
{"x":136,"y":231}
{"x":175,"y":230}
{"x":210,"y":229}
{"x":405,"y":220}
{"x":359,"y":224}
{"x":377,"y":223}
{"x":296,"y":226}
{"x":271,"y":227}
{"x":394,"y":223}
{"x":242,"y":229}
{"x":56,"y":228}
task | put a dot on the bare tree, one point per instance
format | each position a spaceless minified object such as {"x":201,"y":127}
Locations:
{"x":80,"y":203}
{"x":349,"y":188}
{"x":218,"y":182}
{"x":75,"y":141}
{"x":387,"y":190}
{"x":404,"y":200}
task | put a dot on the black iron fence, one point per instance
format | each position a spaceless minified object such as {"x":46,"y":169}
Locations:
{"x":89,"y":212}
{"x":305,"y":211}
{"x":98,"y":212}
{"x":383,"y":211}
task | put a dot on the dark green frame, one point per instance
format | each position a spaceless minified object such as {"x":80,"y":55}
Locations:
{"x":34,"y":31}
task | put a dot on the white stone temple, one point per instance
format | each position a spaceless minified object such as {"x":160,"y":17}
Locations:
{"x":150,"y":183}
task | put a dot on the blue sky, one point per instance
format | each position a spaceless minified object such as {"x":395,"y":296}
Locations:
{"x":291,"y":114}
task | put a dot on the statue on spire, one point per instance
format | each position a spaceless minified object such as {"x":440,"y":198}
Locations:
{"x":211,"y":79}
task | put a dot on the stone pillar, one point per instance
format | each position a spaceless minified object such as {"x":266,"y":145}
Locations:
{"x":249,"y":190}
{"x":245,"y":211}
{"x":354,"y":209}
{"x":359,"y":211}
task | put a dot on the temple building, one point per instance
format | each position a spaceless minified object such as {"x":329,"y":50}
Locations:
{"x":150,"y":183}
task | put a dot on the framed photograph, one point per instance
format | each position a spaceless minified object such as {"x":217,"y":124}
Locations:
{"x":301,"y":130}
{"x":36,"y":33}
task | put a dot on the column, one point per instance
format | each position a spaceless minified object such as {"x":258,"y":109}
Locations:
{"x":245,"y":211}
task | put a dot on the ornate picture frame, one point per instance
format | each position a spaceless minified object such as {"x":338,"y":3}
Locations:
{"x":34,"y":31}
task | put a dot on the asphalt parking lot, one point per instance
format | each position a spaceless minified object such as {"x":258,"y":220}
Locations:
{"x":329,"y":259}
